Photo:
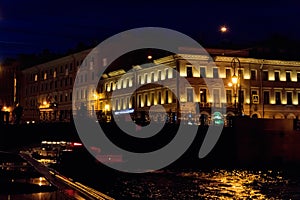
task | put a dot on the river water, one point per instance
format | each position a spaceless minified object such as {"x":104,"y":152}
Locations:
{"x":207,"y":184}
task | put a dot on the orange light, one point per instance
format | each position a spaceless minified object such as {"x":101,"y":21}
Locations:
{"x":234,"y":79}
{"x":223,"y":29}
{"x":77,"y":144}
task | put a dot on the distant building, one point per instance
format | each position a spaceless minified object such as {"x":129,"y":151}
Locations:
{"x":265,"y":88}
{"x":9,"y":86}
{"x":47,"y":88}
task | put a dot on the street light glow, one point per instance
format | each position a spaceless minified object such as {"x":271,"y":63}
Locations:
{"x":223,"y":29}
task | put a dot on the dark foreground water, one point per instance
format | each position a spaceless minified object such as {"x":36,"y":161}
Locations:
{"x":208,"y":184}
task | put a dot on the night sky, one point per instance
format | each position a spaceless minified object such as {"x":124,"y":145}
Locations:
{"x":32,"y":26}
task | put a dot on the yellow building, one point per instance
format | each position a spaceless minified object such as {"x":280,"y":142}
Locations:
{"x":194,"y":92}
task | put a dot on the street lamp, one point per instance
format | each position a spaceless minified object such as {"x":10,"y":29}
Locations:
{"x":236,"y":81}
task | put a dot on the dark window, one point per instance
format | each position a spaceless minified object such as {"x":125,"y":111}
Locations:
{"x":167,"y":74}
{"x":190,"y":96}
{"x":202,"y":72}
{"x":159,"y":75}
{"x":288,"y":76}
{"x":298,"y":98}
{"x":215,"y":73}
{"x":289,"y":98}
{"x":152,"y":77}
{"x":146,"y":78}
{"x":139,"y":80}
{"x":189,"y":72}
{"x":228,"y":73}
{"x":298,"y":77}
{"x":277,"y":76}
{"x":152,"y":99}
{"x":265,"y":75}
{"x":117,"y":104}
{"x":140,"y":100}
{"x":253,"y":75}
{"x":159,"y":98}
{"x":266,"y":97}
{"x":229,"y":96}
{"x":278,"y":98}
{"x":167,"y":97}
{"x":146,"y":100}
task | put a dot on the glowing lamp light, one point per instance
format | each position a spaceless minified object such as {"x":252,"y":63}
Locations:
{"x":149,"y":57}
{"x":106,"y":107}
{"x":223,"y":29}
{"x":234,"y":79}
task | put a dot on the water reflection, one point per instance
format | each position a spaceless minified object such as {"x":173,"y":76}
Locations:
{"x":212,"y":184}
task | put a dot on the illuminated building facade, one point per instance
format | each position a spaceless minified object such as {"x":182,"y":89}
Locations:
{"x":266,"y":88}
{"x":46,"y":88}
{"x":9,"y":74}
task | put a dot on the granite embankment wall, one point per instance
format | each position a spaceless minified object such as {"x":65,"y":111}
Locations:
{"x":259,"y":142}
{"x":267,"y":142}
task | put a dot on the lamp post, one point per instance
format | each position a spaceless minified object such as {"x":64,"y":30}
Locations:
{"x":236,"y":81}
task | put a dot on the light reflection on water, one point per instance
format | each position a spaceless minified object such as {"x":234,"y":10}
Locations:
{"x":214,"y":184}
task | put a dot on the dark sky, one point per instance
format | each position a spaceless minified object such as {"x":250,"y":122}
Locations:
{"x":28,"y":26}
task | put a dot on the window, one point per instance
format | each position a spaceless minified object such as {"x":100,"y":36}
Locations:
{"x":146,"y":78}
{"x":167,"y":74}
{"x":35,"y":77}
{"x":189,"y":72}
{"x":122,"y":104}
{"x":117,"y":104}
{"x":152,"y":77}
{"x":277,"y":76}
{"x":152,"y":99}
{"x":289,"y":98}
{"x":253,"y":74}
{"x":167,"y":97}
{"x":229,"y":96}
{"x":278,"y":98}
{"x":298,"y":76}
{"x":202,"y":72}
{"x":121,"y":83}
{"x":288,"y":76}
{"x":266,"y":97}
{"x":139,"y":80}
{"x":140,"y":100}
{"x":146,"y":100}
{"x":241,"y":96}
{"x":265,"y":75}
{"x":159,"y":76}
{"x":215,"y":73}
{"x":45,"y":76}
{"x":111,"y":86}
{"x":241,"y":73}
{"x":190,"y":95}
{"x":159,"y":98}
{"x":228,"y":73}
{"x":298,"y":98}
{"x":216,"y":97}
{"x":254,"y":95}
{"x":203,"y":95}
